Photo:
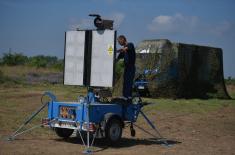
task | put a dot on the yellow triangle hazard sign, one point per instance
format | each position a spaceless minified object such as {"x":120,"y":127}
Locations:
{"x":110,"y":49}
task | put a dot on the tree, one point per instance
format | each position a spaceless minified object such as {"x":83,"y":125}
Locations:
{"x":13,"y":59}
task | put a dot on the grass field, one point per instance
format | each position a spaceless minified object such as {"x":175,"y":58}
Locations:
{"x":200,"y":126}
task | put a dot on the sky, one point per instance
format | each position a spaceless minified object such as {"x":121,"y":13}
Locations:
{"x":37,"y":27}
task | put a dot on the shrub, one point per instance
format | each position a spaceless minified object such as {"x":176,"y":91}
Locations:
{"x":13,"y":59}
{"x":43,"y":61}
{"x":59,"y":65}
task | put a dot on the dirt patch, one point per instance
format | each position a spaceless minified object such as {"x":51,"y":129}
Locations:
{"x":212,"y":133}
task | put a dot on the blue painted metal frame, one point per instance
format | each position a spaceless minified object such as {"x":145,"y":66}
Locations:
{"x":97,"y":111}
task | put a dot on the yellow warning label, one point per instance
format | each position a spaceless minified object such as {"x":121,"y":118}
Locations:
{"x":110,"y":50}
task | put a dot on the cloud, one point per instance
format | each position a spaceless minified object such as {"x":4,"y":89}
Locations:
{"x":182,"y":24}
{"x":177,"y":23}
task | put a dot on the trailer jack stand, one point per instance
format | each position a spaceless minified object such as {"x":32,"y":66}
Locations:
{"x":132,"y":130}
{"x":20,"y":130}
{"x":162,"y":140}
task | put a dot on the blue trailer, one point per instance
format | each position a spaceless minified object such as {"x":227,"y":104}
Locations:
{"x":90,"y":117}
{"x":106,"y":120}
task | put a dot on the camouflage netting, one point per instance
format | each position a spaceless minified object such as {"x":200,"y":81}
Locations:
{"x":183,"y":70}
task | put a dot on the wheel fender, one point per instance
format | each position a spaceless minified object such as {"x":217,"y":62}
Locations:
{"x":110,"y":116}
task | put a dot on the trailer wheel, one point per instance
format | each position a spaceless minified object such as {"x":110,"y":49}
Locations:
{"x":113,"y":130}
{"x":63,"y":132}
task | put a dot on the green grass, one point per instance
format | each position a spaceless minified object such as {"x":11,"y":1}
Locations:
{"x":23,"y":70}
{"x":18,"y":102}
{"x":12,"y":75}
{"x":187,"y":106}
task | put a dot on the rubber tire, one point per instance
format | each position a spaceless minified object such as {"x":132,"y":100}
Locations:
{"x":110,"y":127}
{"x":63,"y":132}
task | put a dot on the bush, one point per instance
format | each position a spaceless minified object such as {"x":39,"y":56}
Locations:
{"x":13,"y":59}
{"x":59,"y":65}
{"x":40,"y":61}
{"x":45,"y":61}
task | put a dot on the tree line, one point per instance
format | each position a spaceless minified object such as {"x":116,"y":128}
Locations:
{"x":39,"y":61}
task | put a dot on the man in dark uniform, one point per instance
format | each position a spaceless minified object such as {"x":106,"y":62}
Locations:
{"x":127,"y":52}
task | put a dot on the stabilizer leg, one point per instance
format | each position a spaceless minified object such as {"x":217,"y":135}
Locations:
{"x":154,"y":128}
{"x":17,"y":132}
